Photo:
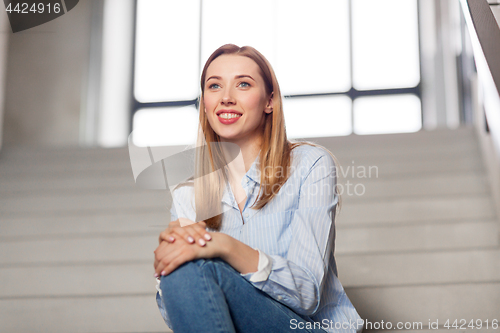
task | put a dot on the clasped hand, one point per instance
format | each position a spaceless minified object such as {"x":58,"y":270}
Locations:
{"x":178,"y":245}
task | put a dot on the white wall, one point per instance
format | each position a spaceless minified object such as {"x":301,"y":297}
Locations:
{"x":45,"y":74}
{"x":439,"y":38}
{"x":116,"y":73}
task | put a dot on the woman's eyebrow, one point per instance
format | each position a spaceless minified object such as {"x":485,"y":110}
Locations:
{"x":244,"y":75}
{"x":214,"y":78}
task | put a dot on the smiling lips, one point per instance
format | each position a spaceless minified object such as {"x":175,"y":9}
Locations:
{"x":228,"y":117}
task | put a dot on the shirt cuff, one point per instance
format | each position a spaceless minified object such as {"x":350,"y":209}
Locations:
{"x":263,"y":269}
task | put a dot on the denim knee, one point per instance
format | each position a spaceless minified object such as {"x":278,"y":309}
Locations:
{"x":185,"y":270}
{"x":194,"y":270}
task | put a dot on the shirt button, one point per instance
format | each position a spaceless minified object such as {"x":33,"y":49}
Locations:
{"x":246,"y":180}
{"x":245,"y":215}
{"x":280,"y":298}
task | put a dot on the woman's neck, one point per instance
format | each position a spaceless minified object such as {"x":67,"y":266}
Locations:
{"x":238,"y":167}
{"x":249,"y":150}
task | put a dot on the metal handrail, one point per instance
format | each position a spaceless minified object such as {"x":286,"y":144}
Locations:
{"x":485,"y":36}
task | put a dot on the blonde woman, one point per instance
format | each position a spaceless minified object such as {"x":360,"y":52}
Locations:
{"x":261,"y":258}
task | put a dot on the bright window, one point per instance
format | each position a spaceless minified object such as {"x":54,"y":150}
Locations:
{"x":329,"y":90}
{"x":167,"y":51}
{"x":387,"y":114}
{"x":167,"y":126}
{"x":322,"y":116}
{"x":385,"y":44}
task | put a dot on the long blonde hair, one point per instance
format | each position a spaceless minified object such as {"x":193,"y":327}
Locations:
{"x":210,"y":166}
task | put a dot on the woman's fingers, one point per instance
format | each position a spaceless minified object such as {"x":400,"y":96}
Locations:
{"x":162,"y":254}
{"x":172,"y":265}
{"x":193,"y":233}
{"x":202,"y":232}
{"x":172,"y":259}
{"x":169,"y":256}
{"x":166,"y":235}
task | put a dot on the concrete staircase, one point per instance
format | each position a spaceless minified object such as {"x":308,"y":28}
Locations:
{"x":77,"y":236}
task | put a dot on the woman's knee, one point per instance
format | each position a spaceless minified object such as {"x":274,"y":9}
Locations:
{"x":182,"y":275}
{"x":187,"y":273}
{"x":192,"y":273}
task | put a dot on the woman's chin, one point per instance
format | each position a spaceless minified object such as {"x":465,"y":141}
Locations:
{"x":229,"y":138}
{"x":229,"y":135}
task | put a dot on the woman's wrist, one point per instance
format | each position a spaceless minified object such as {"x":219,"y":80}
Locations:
{"x":240,"y":256}
{"x":224,"y":244}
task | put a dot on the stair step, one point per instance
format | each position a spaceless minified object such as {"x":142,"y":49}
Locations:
{"x":75,"y":250}
{"x":60,"y":281}
{"x":421,"y":303}
{"x":64,"y":183}
{"x":122,"y":313}
{"x":423,"y":268}
{"x":110,"y":223}
{"x":400,"y":150}
{"x":438,"y":135}
{"x":57,"y":203}
{"x":407,"y":210}
{"x":419,"y":237}
{"x":426,"y":185}
{"x":355,"y":168}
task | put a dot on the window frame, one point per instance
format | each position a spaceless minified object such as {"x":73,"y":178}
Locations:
{"x":352,"y":93}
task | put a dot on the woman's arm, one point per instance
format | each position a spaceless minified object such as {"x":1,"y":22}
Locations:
{"x":297,"y":278}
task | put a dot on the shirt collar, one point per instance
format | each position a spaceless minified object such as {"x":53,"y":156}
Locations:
{"x":253,"y":173}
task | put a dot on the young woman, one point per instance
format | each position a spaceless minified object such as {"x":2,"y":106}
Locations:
{"x":260,"y":259}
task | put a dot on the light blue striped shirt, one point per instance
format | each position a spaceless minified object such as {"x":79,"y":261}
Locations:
{"x":296,"y":233}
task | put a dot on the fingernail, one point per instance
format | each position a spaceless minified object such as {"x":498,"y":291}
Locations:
{"x":208,"y":237}
{"x":156,"y":275}
{"x":190,"y":239}
{"x":163,"y":273}
{"x":171,"y":239}
{"x":202,"y":242}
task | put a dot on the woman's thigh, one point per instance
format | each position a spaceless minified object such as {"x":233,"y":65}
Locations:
{"x":251,"y":310}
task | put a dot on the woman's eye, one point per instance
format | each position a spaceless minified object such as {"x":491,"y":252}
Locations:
{"x":213,"y":86}
{"x":244,"y":84}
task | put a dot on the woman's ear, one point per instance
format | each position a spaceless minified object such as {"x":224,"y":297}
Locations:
{"x":269,"y":106}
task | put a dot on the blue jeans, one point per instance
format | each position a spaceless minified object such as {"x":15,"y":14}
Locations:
{"x":208,"y":295}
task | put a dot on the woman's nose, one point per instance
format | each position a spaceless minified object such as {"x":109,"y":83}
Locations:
{"x":227,"y":99}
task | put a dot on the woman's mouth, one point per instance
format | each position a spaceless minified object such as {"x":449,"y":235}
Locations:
{"x":227,"y":118}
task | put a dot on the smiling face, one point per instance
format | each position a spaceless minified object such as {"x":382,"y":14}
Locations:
{"x":235,"y":99}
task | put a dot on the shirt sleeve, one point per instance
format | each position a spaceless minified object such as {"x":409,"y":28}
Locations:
{"x":183,"y":204}
{"x":297,"y":280}
{"x":263,"y":269}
